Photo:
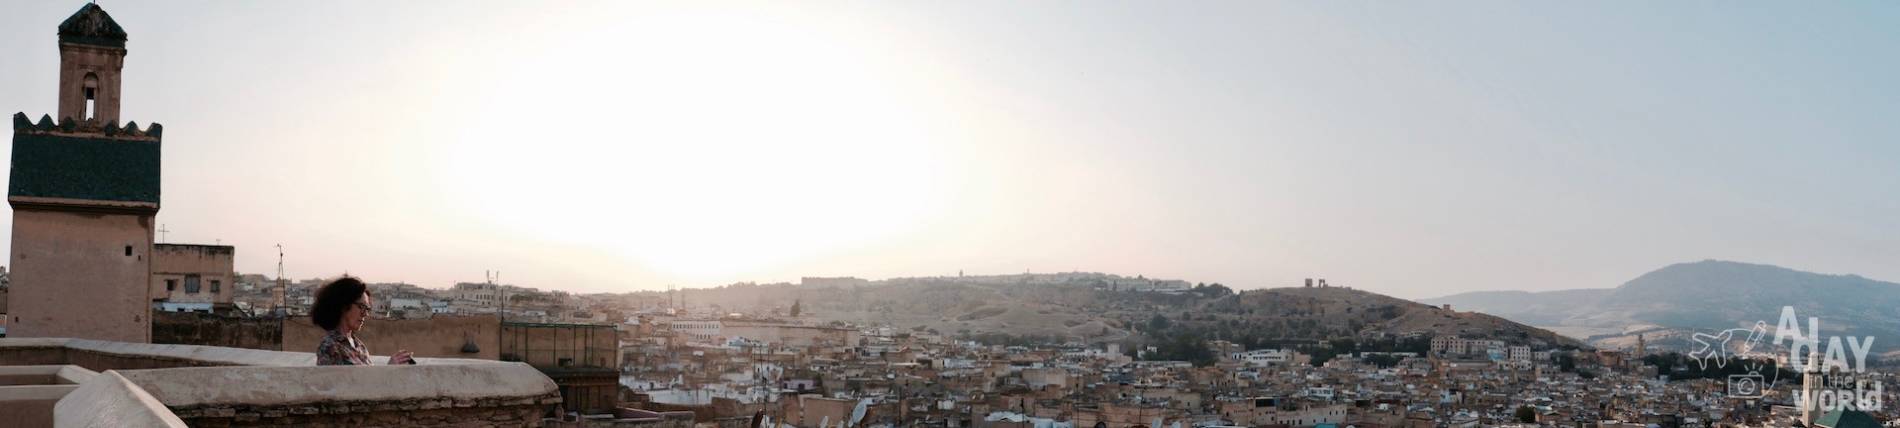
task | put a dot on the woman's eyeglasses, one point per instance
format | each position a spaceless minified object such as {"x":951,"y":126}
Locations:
{"x":363,"y":306}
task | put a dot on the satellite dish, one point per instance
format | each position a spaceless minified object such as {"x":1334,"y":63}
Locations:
{"x":857,"y":414}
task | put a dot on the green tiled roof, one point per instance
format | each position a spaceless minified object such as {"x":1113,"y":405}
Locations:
{"x":92,"y":26}
{"x":1846,"y":419}
{"x":79,"y":167}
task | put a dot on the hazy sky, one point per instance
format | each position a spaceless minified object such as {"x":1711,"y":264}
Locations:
{"x":1411,"y":148}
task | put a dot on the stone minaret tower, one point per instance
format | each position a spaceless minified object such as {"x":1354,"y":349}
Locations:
{"x":91,"y":53}
{"x":1810,"y":384}
{"x":84,"y":189}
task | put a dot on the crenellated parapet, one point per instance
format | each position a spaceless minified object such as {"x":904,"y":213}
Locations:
{"x":87,"y":165}
{"x":93,"y":128}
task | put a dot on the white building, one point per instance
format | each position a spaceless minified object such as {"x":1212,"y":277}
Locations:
{"x":1263,"y":357}
{"x":1455,"y":346}
{"x":1310,"y":416}
{"x":1519,"y":353}
{"x":696,"y":330}
{"x":403,"y":304}
{"x":480,"y":293}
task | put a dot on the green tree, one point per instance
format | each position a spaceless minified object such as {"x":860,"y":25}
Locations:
{"x":1566,"y":363}
{"x":1214,"y":290}
{"x":796,"y":308}
{"x":1525,"y":414}
{"x":1381,"y":360}
{"x":1185,"y":347}
{"x":1157,"y":323}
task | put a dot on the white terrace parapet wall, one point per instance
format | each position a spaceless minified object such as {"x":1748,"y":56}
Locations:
{"x":111,"y":401}
{"x":44,"y":375}
{"x":214,"y":386}
{"x":27,"y":393}
{"x":102,"y":355}
{"x":422,"y":395}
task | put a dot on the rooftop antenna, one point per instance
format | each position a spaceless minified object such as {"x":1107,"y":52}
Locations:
{"x":281,"y":291}
{"x":161,"y":232}
{"x":502,"y":313}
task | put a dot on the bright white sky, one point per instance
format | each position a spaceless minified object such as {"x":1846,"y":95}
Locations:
{"x":1415,"y":149}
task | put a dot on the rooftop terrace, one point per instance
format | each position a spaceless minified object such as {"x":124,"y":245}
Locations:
{"x":90,"y":383}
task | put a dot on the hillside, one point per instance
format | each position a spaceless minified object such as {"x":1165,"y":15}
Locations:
{"x":1102,"y":308}
{"x":1668,"y":304}
{"x":1535,"y":308}
{"x":1367,"y":314}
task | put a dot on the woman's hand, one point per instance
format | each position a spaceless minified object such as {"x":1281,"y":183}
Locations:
{"x":402,"y":357}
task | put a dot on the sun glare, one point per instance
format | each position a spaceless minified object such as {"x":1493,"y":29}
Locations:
{"x":758,"y":143}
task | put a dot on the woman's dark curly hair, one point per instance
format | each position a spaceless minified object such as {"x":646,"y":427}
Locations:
{"x":334,"y":299}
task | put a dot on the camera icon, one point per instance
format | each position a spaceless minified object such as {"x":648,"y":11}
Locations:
{"x":1745,"y":386}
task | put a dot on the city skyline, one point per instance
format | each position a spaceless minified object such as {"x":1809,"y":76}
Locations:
{"x":1409,"y":150}
{"x":997,"y":215}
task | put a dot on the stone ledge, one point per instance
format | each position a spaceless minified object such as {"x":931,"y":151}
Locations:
{"x":193,"y":354}
{"x":332,"y":387}
{"x":188,"y":355}
{"x":45,"y":375}
{"x":478,"y":417}
{"x":163,"y":385}
{"x":109,"y":400}
{"x":33,"y":342}
{"x":75,"y":375}
{"x":35,"y":392}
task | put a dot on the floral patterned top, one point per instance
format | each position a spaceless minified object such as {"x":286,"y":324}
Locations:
{"x":339,"y":349}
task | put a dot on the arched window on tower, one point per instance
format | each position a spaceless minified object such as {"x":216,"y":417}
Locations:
{"x":91,"y":91}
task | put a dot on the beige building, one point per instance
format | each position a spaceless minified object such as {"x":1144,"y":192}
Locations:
{"x":778,"y":333}
{"x":583,"y":359}
{"x":480,"y":293}
{"x":701,"y":331}
{"x":84,"y":190}
{"x":190,"y":273}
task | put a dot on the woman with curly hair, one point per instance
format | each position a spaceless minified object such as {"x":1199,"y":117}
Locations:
{"x":340,"y":308}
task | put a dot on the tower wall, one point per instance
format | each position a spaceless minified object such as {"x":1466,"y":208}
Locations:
{"x":84,"y":191}
{"x":72,"y":276}
{"x":104,"y":63}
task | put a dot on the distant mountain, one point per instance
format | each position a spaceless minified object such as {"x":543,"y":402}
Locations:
{"x":1705,"y":295}
{"x":1535,"y":308}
